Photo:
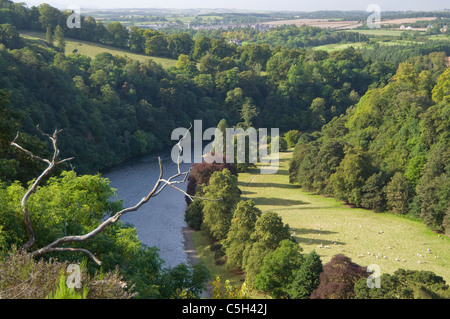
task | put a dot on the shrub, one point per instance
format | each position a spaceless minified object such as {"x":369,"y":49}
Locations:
{"x":338,"y":279}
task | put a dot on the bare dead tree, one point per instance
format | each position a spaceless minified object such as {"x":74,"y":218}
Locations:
{"x":55,"y":246}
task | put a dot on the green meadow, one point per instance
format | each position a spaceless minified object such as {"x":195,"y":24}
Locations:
{"x":91,"y":49}
{"x":330,"y":227}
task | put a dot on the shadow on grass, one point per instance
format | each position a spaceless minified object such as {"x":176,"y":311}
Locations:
{"x":313,"y":241}
{"x":277,"y":201}
{"x":301,"y":232}
{"x":265,"y":185}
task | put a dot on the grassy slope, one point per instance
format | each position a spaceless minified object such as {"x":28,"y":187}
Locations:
{"x":319,"y":220}
{"x":91,"y":49}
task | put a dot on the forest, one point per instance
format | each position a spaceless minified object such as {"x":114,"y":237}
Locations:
{"x":367,"y":126}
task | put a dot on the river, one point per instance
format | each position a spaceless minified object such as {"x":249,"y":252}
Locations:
{"x":159,"y":222}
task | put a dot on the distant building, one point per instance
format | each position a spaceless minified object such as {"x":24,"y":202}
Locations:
{"x":235,"y":41}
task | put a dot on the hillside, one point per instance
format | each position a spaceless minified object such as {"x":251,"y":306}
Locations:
{"x":91,"y":49}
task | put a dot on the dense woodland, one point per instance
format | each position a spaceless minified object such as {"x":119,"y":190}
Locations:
{"x":369,"y":127}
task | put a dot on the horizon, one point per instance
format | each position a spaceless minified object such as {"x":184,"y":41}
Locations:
{"x":262,"y":5}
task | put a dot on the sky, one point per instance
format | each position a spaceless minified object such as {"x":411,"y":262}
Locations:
{"x":259,"y":5}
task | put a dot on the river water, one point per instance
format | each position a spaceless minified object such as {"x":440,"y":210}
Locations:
{"x":161,"y":220}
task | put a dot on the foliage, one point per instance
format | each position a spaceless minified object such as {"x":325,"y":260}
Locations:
{"x":239,"y":235}
{"x":25,"y":278}
{"x":389,"y":151}
{"x":74,"y":205}
{"x":194,"y":214}
{"x":64,"y":292}
{"x":267,"y":236}
{"x":306,"y":278}
{"x":291,"y":138}
{"x":338,"y":279}
{"x":227,"y":291}
{"x":277,"y":269}
{"x":223,"y":194}
{"x":404,"y":284}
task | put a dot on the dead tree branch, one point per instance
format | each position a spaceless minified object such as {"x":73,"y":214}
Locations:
{"x":50,"y":165}
{"x":55,"y":246}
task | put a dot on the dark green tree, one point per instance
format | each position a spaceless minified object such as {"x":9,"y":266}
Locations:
{"x":223,"y":193}
{"x":241,"y":229}
{"x":278,"y":268}
{"x":306,"y":278}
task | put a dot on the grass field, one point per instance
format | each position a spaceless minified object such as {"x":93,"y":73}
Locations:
{"x":91,"y":49}
{"x":339,"y":46}
{"x":330,"y":227}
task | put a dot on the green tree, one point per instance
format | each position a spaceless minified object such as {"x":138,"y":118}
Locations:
{"x":405,"y":284}
{"x":306,"y":278}
{"x":277,"y":269}
{"x":398,"y":193}
{"x":351,"y":175}
{"x":59,"y":38}
{"x":194,"y":214}
{"x":241,"y":229}
{"x":49,"y":36}
{"x":291,"y":138}
{"x":248,"y":112}
{"x":223,"y":193}
{"x":201,"y":46}
{"x":118,"y":34}
{"x":269,"y":232}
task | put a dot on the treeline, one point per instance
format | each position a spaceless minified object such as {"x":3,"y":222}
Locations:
{"x":390,"y":151}
{"x":46,"y":18}
{"x":288,"y":36}
{"x":258,"y":245}
{"x":398,"y":53}
{"x":112,"y":108}
{"x":246,"y":240}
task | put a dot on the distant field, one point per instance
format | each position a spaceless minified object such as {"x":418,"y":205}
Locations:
{"x":380,"y":31}
{"x":323,"y":23}
{"x":339,"y":46}
{"x":91,"y":49}
{"x":329,"y":227}
{"x":333,"y":24}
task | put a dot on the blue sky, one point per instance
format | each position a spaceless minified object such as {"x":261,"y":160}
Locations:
{"x":273,"y":5}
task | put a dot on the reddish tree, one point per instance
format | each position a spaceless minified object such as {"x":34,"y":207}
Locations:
{"x":201,"y":173}
{"x":338,"y":279}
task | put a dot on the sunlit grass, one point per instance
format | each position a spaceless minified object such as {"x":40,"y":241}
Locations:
{"x":91,"y":49}
{"x":385,"y":239}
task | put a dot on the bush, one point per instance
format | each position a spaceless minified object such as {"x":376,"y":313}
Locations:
{"x":405,"y":284}
{"x":194,"y":215}
{"x":22,"y":277}
{"x":338,"y":279}
{"x":277,"y":269}
{"x":291,"y":138}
